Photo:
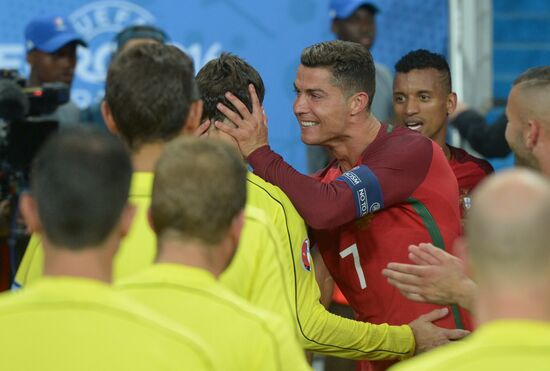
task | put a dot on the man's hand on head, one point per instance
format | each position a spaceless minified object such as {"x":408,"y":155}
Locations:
{"x":251,"y":127}
{"x":202,"y":130}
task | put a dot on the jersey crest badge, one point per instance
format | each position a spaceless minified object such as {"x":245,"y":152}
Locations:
{"x":306,"y":255}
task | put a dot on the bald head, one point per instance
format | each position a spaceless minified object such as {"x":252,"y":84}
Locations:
{"x":528,"y":112}
{"x":508,"y":228}
{"x":533,"y":88}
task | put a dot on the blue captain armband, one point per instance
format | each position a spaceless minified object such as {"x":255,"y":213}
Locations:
{"x":367,"y":193}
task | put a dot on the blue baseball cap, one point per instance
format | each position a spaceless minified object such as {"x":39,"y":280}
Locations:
{"x":342,"y":9}
{"x":50,"y":33}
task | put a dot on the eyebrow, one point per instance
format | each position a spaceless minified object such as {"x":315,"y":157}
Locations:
{"x":309,"y":91}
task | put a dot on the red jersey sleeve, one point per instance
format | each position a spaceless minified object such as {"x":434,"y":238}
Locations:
{"x":389,"y":171}
{"x":322,"y":205}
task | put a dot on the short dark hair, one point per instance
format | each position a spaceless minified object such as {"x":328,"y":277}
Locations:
{"x":422,"y":59}
{"x":350,"y":63}
{"x":149,"y":89}
{"x":80,"y":180}
{"x":535,"y":76}
{"x":199,"y":188}
{"x":227,"y":73}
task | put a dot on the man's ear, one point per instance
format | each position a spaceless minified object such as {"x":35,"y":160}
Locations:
{"x":451,"y":103}
{"x":108,"y":118}
{"x":193,"y":119}
{"x":358,"y":102}
{"x":29,"y":211}
{"x":532,"y":134}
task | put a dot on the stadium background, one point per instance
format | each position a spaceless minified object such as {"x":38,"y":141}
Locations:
{"x":268,"y":34}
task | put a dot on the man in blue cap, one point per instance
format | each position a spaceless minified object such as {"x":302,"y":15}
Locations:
{"x":355,"y":20}
{"x":51,"y":43}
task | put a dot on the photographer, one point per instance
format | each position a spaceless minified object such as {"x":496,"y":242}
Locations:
{"x":51,"y":43}
{"x":30,"y":111}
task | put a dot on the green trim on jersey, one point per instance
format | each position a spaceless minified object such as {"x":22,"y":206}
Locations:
{"x":437,"y":240}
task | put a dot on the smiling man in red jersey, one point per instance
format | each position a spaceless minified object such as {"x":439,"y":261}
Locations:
{"x":386,"y":187}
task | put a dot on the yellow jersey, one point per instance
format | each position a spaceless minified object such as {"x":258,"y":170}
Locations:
{"x":257,"y":272}
{"x":319,"y":330}
{"x":69,"y":323}
{"x":245,"y":338}
{"x":504,"y":345}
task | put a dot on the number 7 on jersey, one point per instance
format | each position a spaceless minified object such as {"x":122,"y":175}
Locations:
{"x":352,"y":250}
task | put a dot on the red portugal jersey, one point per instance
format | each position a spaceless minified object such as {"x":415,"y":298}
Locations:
{"x":401,"y":192}
{"x":469,"y":171}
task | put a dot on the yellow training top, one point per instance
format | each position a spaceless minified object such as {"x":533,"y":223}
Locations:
{"x":245,"y":338}
{"x":504,"y":345}
{"x":66,"y":323}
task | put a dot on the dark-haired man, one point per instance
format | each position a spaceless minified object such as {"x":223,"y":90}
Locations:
{"x":145,"y":116}
{"x":130,"y":36}
{"x":374,"y":199}
{"x":423,"y":100}
{"x":71,"y":317}
{"x":439,"y":277}
{"x":355,"y":21}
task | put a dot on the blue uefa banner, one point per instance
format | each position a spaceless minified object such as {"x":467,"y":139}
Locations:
{"x":268,"y":34}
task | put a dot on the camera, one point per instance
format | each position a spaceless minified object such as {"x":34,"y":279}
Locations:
{"x":26,"y":116}
{"x":26,"y":120}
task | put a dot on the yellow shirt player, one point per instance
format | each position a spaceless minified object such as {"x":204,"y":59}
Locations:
{"x":72,"y":318}
{"x":198,"y":221}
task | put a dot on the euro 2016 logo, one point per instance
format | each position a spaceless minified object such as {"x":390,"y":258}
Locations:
{"x":98,"y":22}
{"x":306,"y":256}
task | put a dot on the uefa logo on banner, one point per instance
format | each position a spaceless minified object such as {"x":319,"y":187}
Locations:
{"x":98,"y":23}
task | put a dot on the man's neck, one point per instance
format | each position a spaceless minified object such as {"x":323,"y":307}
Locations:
{"x":359,"y":136}
{"x":92,"y":263}
{"x":145,"y":158}
{"x":190,"y":253}
{"x":529,"y":302}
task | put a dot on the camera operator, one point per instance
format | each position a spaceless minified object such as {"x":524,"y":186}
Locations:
{"x":51,"y":44}
{"x":29,"y":112}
